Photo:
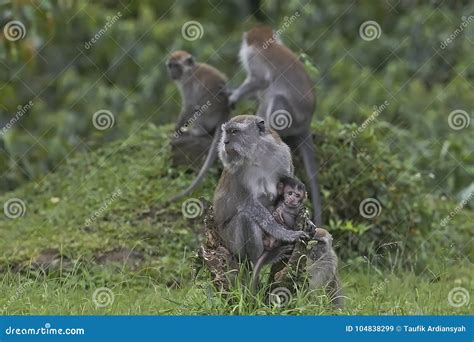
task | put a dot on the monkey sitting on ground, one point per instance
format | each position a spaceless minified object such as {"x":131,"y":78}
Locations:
{"x":254,"y":159}
{"x":291,"y":195}
{"x":203,"y":93}
{"x":205,"y":105}
{"x":321,"y":267}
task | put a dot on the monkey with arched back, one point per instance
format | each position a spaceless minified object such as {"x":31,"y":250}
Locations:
{"x":205,"y":105}
{"x":285,"y":96}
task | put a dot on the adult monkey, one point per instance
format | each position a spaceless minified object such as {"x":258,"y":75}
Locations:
{"x":205,"y":105}
{"x":285,"y":96}
{"x":254,"y":159}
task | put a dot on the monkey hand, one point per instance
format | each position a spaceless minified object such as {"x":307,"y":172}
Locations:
{"x":300,"y":235}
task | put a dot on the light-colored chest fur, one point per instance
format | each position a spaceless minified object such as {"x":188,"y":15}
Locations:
{"x":260,"y":182}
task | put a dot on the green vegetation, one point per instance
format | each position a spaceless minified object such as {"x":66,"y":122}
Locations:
{"x":155,"y":247}
{"x":92,"y":197}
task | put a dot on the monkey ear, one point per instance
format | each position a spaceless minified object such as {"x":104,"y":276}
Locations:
{"x":261,"y":126}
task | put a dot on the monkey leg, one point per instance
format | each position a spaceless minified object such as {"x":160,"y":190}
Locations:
{"x":244,"y":237}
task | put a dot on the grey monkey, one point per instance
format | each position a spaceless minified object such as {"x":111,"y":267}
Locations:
{"x":254,"y":159}
{"x":291,"y":195}
{"x":321,"y":267}
{"x":205,"y":105}
{"x":285,"y":97}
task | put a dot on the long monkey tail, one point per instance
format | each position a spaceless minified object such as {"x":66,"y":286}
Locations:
{"x":211,"y":157}
{"x":256,"y":271}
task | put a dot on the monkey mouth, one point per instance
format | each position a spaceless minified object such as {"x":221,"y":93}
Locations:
{"x":231,"y":152}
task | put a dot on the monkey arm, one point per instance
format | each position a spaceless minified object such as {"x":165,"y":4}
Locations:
{"x":268,"y":224}
{"x":250,"y":85}
{"x":184,"y":116}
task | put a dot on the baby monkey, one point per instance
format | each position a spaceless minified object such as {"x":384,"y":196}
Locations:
{"x":291,"y":195}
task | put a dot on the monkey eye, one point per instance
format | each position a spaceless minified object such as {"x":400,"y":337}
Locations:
{"x":232,"y":131}
{"x":290,"y":193}
{"x":297,"y":195}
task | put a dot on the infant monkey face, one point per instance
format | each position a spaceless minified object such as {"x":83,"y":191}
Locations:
{"x":293,"y":197}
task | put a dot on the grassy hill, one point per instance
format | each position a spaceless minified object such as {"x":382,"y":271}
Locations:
{"x":92,"y":239}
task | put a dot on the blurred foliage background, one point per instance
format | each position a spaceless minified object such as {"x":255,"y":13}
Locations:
{"x":409,"y":157}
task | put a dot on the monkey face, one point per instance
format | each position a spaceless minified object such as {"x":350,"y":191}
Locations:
{"x":322,"y":236}
{"x":293,"y":197}
{"x":239,"y":138}
{"x":175,"y":71}
{"x":178,"y":64}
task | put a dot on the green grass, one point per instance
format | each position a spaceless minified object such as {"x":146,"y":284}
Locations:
{"x":133,"y":293}
{"x":158,"y":280}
